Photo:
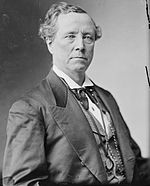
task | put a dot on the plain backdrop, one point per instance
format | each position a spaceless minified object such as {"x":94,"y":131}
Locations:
{"x":118,"y":65}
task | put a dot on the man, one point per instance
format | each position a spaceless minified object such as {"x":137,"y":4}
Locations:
{"x":68,"y":130}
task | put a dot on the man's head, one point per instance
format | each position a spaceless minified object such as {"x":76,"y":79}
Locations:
{"x":70,"y":34}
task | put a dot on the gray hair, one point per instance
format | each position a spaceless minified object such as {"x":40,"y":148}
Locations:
{"x":48,"y":29}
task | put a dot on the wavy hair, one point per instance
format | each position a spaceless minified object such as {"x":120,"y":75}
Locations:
{"x":48,"y":29}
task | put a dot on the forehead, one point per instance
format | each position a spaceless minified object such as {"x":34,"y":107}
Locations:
{"x":75,"y":21}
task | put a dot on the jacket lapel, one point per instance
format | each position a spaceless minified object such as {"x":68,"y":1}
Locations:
{"x":123,"y":138}
{"x":73,"y":123}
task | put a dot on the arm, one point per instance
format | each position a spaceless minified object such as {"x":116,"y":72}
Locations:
{"x":142,"y":165}
{"x":24,"y":158}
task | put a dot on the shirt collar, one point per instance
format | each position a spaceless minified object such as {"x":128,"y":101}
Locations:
{"x":71,"y":83}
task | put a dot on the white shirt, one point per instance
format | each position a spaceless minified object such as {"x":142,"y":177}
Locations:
{"x":72,"y":84}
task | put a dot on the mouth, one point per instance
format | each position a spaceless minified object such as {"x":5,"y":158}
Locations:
{"x":78,"y":57}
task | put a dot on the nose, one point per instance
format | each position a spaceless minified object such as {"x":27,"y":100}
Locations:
{"x":79,"y":44}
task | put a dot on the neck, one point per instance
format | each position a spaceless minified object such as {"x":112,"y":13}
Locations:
{"x":78,"y":77}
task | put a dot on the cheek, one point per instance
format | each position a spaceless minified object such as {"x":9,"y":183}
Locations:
{"x":63,"y":50}
{"x":90,"y":51}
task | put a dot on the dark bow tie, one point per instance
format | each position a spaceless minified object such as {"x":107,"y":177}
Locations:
{"x":81,"y":95}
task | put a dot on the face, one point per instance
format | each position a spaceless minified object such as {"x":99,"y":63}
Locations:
{"x":73,"y":45}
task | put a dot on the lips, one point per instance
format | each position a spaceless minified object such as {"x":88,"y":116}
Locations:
{"x":79,"y":57}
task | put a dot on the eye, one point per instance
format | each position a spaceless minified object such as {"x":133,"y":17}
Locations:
{"x":70,"y":36}
{"x":88,"y":38}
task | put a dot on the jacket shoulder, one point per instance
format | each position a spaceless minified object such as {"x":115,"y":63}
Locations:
{"x":103,"y":91}
{"x":39,"y":96}
{"x":107,"y":95}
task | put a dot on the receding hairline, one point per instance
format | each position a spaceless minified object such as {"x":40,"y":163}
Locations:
{"x":76,"y":13}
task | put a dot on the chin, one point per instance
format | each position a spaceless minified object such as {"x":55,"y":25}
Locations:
{"x":81,"y":68}
{"x":80,"y":65}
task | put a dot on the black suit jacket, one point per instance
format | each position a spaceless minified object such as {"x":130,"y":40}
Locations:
{"x":49,"y":139}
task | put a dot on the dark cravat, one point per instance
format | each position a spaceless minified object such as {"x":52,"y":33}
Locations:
{"x":90,"y":91}
{"x":81,"y":96}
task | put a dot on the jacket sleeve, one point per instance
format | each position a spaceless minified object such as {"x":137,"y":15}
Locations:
{"x":24,"y":157}
{"x":142,"y":165}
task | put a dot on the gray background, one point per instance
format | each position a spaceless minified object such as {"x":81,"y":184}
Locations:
{"x":118,"y":64}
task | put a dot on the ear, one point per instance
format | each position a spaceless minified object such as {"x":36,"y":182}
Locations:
{"x":49,"y":45}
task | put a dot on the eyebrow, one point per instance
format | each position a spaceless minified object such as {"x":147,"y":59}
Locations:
{"x":71,"y":32}
{"x":88,"y":33}
{"x":84,"y":33}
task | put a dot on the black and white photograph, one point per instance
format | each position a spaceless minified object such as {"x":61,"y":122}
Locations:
{"x":74,"y":92}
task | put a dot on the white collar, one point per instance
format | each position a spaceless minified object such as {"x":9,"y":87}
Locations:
{"x":71,"y":83}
